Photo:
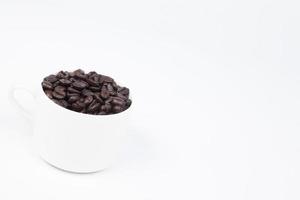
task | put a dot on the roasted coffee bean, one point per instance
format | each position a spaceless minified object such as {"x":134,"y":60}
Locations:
{"x":95,"y":89}
{"x":128,"y":103}
{"x":98,"y":98}
{"x":61,"y":75}
{"x":124,"y":91}
{"x":72,"y":90}
{"x":63,"y":103}
{"x":104,"y":93}
{"x":106,"y":79}
{"x":92,"y":82}
{"x":89,"y":93}
{"x":79,"y":85}
{"x":117,"y":109}
{"x":73,"y":99}
{"x":49,"y":93}
{"x":93,"y":107}
{"x":60,"y":92}
{"x":86,"y":92}
{"x":51,"y":78}
{"x":65,"y":82}
{"x":110,"y":88}
{"x":121,"y":96}
{"x":76,"y":107}
{"x":109,"y":100}
{"x":47,"y":85}
{"x":58,"y":96}
{"x":88,"y":100}
{"x":106,"y":108}
{"x":118,"y":101}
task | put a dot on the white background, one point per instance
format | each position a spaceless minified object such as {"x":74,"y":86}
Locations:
{"x":215,"y":86}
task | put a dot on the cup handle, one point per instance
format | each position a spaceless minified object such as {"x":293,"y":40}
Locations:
{"x":27,"y":113}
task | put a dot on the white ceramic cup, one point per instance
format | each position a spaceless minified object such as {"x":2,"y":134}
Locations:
{"x":73,"y":141}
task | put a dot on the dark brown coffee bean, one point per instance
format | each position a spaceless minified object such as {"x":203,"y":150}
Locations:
{"x":65,"y":82}
{"x":109,"y":100}
{"x":92,"y":73}
{"x":121,"y":96}
{"x":58,"y":96}
{"x":106,"y":108}
{"x":47,"y":85}
{"x":106,"y":79}
{"x":118,"y":101}
{"x":51,"y":78}
{"x":128,"y":103}
{"x":87,"y":92}
{"x":104,"y":93}
{"x":60,"y":90}
{"x":117,"y":109}
{"x":79,"y":71}
{"x":79,"y":85}
{"x":102,"y":113}
{"x":95,"y":89}
{"x":63,"y":103}
{"x":88,"y":100}
{"x":72,"y":90}
{"x":73,"y":99}
{"x":124,"y":91}
{"x":76,"y":107}
{"x":110,"y":88}
{"x":92,"y":82}
{"x":93,"y":107}
{"x":49,"y":93}
{"x":114,"y":84}
{"x":61,"y":75}
{"x":98,"y":98}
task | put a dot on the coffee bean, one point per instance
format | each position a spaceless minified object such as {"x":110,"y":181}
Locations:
{"x":92,"y":82}
{"x":104,"y":93}
{"x":88,"y":100}
{"x":118,"y":101}
{"x":98,"y":98}
{"x":95,"y":89}
{"x":89,"y":93}
{"x":73,"y":99}
{"x":124,"y":91}
{"x":60,"y":90}
{"x":80,"y":85}
{"x":128,"y":103}
{"x":110,"y":88}
{"x":93,"y":107}
{"x":121,"y":96}
{"x":65,"y":82}
{"x":106,"y":108}
{"x":58,"y":96}
{"x":117,"y":109}
{"x":61,"y":75}
{"x":106,"y":79}
{"x":51,"y":78}
{"x":76,"y":107}
{"x":72,"y":90}
{"x":49,"y":93}
{"x":47,"y":85}
{"x":63,"y":103}
{"x":109,"y":100}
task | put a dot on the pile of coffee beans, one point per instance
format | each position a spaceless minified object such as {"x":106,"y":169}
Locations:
{"x":89,"y":93}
